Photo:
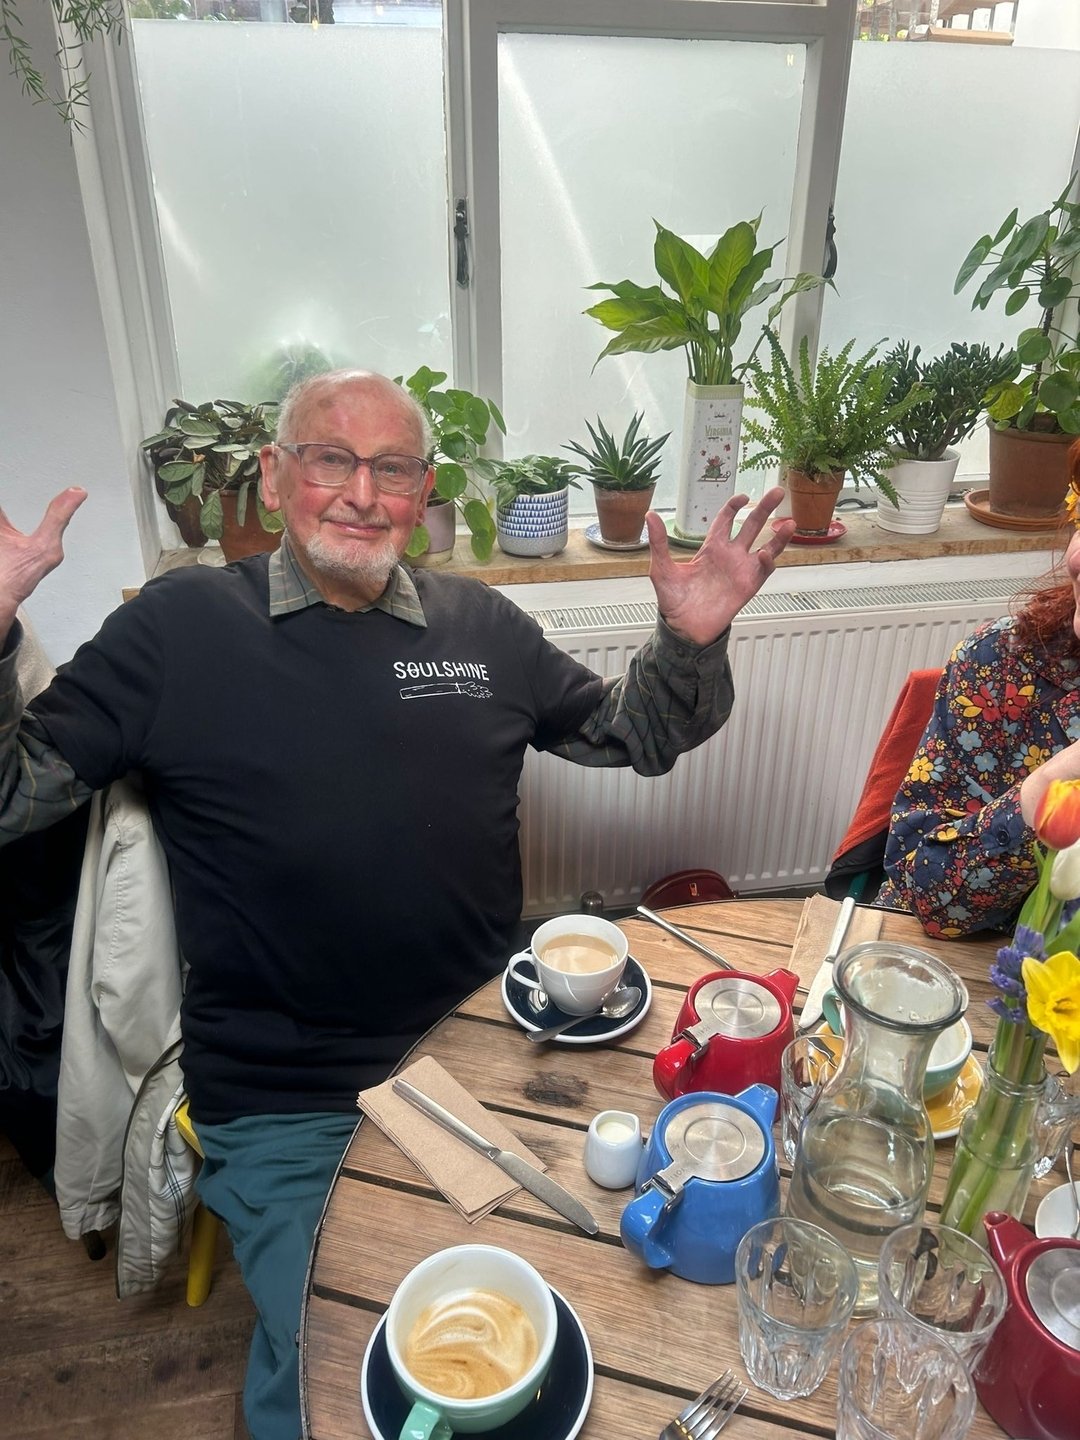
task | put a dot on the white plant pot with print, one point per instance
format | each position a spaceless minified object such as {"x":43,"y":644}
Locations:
{"x":922,"y":486}
{"x":534,"y":524}
{"x":712,"y":421}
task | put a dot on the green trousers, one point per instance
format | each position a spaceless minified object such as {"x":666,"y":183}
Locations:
{"x":267,"y":1177}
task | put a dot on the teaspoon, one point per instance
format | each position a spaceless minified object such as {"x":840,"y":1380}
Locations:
{"x":618,"y":1004}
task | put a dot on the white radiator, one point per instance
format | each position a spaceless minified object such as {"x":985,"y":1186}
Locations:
{"x":767,"y":800}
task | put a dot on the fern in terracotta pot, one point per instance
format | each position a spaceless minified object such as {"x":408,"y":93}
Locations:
{"x":623,"y":476}
{"x":822,"y":422}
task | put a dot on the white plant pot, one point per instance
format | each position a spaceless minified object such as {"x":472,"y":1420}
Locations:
{"x":441,"y":523}
{"x":712,"y":421}
{"x":534,"y":524}
{"x":923,"y":487}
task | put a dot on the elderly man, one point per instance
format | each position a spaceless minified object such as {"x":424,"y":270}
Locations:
{"x":340,"y":822}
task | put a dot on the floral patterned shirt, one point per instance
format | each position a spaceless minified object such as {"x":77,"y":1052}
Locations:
{"x":959,"y":854}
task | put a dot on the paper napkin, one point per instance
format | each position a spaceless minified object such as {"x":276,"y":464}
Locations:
{"x":472,"y":1184}
{"x":816,"y":925}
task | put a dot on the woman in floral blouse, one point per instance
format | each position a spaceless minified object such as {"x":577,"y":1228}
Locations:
{"x":1006,"y":721}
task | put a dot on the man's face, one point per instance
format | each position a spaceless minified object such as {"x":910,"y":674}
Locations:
{"x":348,"y":539}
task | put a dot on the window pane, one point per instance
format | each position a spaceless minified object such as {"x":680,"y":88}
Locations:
{"x":300,"y":178}
{"x":940,"y":142}
{"x":599,"y":136}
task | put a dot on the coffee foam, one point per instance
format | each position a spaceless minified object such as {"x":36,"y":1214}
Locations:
{"x":470,"y":1344}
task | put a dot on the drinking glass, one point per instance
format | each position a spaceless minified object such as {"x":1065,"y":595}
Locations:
{"x":1058,"y":1111}
{"x":806,"y":1067}
{"x":796,"y":1290}
{"x":899,"y":1382}
{"x":945,"y":1283}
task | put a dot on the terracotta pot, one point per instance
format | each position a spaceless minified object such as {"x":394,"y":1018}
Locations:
{"x":813,"y":499}
{"x":247,"y":539}
{"x":440,"y":521}
{"x":622,"y":513}
{"x":1029,"y":471}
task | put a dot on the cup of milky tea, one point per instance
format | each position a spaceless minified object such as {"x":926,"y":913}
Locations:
{"x":578,"y":960}
{"x":470,"y":1334}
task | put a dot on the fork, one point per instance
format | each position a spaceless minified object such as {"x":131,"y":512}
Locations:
{"x":705,"y":1417}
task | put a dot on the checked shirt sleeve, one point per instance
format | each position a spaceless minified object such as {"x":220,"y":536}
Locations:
{"x":37,"y":785}
{"x":959,"y":854}
{"x":674,"y":695}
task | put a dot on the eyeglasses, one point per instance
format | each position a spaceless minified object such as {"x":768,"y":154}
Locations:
{"x":333,"y":465}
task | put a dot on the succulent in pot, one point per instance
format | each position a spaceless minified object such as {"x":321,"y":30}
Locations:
{"x":531,"y":503}
{"x":623,"y":476}
{"x":824,"y":421}
{"x":208,"y":456}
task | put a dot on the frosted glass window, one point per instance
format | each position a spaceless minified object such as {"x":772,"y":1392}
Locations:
{"x":940,"y":142}
{"x":598,"y":136}
{"x":300,"y":180}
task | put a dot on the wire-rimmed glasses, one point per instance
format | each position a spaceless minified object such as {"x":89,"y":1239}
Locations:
{"x":334,"y":466}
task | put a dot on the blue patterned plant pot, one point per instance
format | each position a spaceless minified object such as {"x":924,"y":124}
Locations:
{"x":534,"y":524}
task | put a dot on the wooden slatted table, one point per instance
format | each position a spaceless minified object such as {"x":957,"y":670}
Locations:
{"x":656,"y":1339}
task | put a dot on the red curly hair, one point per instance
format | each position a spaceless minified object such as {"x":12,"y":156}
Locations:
{"x":1045,"y":613}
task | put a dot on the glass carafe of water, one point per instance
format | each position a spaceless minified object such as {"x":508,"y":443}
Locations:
{"x":866,"y":1152}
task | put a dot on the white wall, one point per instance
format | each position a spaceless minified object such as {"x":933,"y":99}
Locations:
{"x":58,"y":420}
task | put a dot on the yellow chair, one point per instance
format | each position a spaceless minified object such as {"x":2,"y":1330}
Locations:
{"x":204,"y":1225}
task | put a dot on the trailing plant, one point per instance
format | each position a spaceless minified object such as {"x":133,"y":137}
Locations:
{"x":460,"y":422}
{"x":710,"y":297}
{"x":1035,"y":258}
{"x":829,"y":417}
{"x":611,"y":465}
{"x":204,"y":450}
{"x":531,"y":475}
{"x":951,"y":390}
{"x":78,"y":23}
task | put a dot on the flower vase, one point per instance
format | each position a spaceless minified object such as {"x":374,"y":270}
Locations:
{"x":996,"y":1151}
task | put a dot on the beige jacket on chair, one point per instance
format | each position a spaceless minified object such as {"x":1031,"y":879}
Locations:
{"x":119,"y":1156}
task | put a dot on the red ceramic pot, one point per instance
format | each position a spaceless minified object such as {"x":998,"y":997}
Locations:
{"x":730,"y":1033}
{"x":1029,"y":1379}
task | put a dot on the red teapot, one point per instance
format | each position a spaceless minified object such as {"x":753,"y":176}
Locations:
{"x":730,"y":1033}
{"x":1029,"y":1376}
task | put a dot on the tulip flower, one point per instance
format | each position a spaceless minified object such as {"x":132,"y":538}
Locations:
{"x":1065,"y":873}
{"x":1057,"y":819}
{"x":1053,"y":1002}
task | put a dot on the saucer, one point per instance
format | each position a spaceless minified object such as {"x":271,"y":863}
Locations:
{"x":834,"y":532}
{"x":1055,"y":1215}
{"x":592,"y":534}
{"x":557,"y":1413}
{"x":945,"y":1110}
{"x":978,"y":507}
{"x":597,"y":1030}
{"x":684,"y":541}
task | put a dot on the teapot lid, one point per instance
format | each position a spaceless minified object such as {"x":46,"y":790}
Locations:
{"x":738,"y":1007}
{"x":712,"y":1140}
{"x":1053,"y":1291}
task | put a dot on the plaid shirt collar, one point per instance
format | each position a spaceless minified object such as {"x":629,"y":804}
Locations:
{"x":290,"y":589}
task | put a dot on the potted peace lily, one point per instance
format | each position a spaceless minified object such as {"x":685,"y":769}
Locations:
{"x":701,"y":312}
{"x":532,"y":503}
{"x":205,"y":461}
{"x":821,"y":422}
{"x":1037,"y":977}
{"x":1033,"y":416}
{"x":459,"y":423}
{"x":951,"y":388}
{"x":623,"y":476}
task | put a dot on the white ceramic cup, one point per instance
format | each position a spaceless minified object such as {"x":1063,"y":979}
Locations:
{"x":613,"y":1149}
{"x":447,"y":1272}
{"x":586,"y":991}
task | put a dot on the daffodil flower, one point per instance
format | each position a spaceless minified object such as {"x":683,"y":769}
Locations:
{"x":1057,"y":819}
{"x":1053,"y":1002}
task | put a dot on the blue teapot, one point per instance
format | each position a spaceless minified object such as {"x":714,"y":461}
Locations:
{"x":707,"y":1175}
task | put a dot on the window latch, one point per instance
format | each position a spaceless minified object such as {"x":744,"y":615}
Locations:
{"x":461,"y":242}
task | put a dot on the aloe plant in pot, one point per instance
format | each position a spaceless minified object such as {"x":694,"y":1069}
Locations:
{"x":623,"y":476}
{"x":824,"y":421}
{"x":532,"y":503}
{"x":701,"y":312}
{"x":951,"y":388}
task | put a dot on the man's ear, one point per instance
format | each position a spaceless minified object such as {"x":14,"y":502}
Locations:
{"x":425,"y":494}
{"x":269,"y":460}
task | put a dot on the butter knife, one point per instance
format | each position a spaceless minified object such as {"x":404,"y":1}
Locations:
{"x":811,"y":1011}
{"x":526,"y":1175}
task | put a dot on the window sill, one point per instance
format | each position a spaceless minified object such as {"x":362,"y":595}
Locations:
{"x":959,"y":535}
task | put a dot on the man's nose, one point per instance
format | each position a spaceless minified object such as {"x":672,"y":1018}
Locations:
{"x":360,"y":488}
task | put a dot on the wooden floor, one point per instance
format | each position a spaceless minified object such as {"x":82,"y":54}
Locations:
{"x":78,"y":1364}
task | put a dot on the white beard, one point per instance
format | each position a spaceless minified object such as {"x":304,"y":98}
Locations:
{"x":372,"y":566}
